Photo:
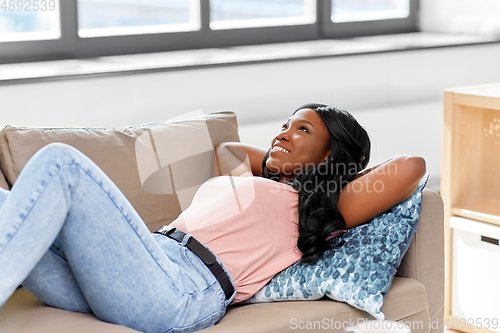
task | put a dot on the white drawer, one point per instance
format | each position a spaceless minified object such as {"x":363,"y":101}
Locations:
{"x":475,"y":286}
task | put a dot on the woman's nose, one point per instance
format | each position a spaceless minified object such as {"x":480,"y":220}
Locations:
{"x":282,"y":135}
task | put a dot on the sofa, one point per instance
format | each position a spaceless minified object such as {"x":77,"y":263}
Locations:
{"x":136,"y":157}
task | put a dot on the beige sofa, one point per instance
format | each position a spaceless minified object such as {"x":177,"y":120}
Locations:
{"x":416,"y":296}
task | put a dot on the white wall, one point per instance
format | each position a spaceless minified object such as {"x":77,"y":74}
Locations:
{"x":256,"y":92}
{"x":396,"y":95}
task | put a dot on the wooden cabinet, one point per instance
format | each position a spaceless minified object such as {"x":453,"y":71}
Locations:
{"x":470,"y":178}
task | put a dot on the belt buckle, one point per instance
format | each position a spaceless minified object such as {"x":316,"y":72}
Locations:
{"x":168,"y":231}
{"x":164,"y":230}
{"x":171,"y":232}
{"x":175,"y":234}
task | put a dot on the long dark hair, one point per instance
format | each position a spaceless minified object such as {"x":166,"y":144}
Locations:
{"x":318,"y":212}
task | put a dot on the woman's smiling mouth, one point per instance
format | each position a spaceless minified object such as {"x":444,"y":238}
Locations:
{"x":280,"y":149}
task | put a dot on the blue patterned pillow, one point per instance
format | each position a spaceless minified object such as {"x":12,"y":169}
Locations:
{"x":360,"y":271}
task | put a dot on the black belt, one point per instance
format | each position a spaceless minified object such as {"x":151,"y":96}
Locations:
{"x":204,"y":254}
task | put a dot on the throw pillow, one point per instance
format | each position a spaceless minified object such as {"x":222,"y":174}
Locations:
{"x":360,"y":269}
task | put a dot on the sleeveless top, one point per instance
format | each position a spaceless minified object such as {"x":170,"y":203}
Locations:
{"x":250,"y":223}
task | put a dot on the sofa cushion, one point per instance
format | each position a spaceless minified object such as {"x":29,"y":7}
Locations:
{"x":24,"y":313}
{"x":406,"y":301}
{"x":136,"y":157}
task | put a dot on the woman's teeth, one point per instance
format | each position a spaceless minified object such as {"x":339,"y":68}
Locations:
{"x":281,"y":149}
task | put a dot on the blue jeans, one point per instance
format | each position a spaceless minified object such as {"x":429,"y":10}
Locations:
{"x":69,"y":236}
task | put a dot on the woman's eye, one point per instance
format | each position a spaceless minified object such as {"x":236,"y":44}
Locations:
{"x":300,"y":128}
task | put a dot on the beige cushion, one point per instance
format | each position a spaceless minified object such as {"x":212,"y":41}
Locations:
{"x":138,"y":159}
{"x":23,"y":313}
{"x":406,"y":301}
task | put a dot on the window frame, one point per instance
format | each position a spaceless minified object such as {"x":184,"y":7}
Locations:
{"x":71,"y":46}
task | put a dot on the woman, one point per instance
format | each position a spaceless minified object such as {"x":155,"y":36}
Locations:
{"x":72,"y":239}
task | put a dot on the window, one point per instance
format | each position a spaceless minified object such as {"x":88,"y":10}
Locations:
{"x":349,"y":18}
{"x":356,"y":11}
{"x":230,"y":14}
{"x":134,"y":17}
{"x":91,"y":28}
{"x":21,"y":21}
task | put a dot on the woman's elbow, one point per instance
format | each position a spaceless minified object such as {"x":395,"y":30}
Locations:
{"x":410,"y":166}
{"x":418,"y":166}
{"x":415,"y":170}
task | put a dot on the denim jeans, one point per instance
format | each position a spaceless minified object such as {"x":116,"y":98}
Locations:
{"x":69,"y":236}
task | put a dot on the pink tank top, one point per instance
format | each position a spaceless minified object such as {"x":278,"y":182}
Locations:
{"x":250,"y":223}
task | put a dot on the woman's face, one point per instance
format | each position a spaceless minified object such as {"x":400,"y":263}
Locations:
{"x":306,"y":141}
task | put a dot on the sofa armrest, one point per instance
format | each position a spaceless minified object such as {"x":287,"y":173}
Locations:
{"x":424,"y":260}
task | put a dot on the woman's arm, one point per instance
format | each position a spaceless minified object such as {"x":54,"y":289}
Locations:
{"x":377,"y":189}
{"x":235,"y":158}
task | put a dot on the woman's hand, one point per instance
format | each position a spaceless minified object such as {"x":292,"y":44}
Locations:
{"x":375,"y":190}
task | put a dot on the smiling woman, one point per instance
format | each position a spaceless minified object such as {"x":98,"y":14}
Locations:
{"x":235,"y":236}
{"x":322,"y":152}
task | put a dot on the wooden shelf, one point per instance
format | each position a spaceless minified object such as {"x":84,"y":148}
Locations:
{"x":485,"y":211}
{"x":470,"y":180}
